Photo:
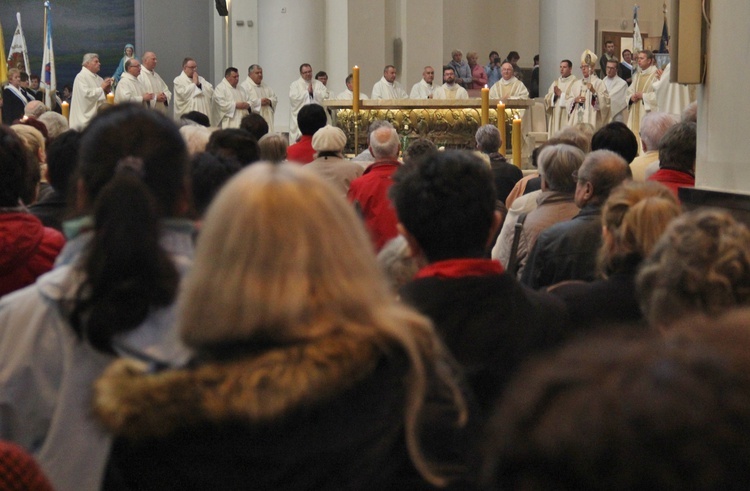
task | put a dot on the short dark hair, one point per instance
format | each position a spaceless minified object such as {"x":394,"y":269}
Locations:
{"x":448,"y":67}
{"x":197,"y":117}
{"x":626,"y":51}
{"x":677,"y":148}
{"x":349,"y":78}
{"x":419,"y":148}
{"x":320,"y":74}
{"x":14,"y":168}
{"x":616,"y":136}
{"x":570,"y":63}
{"x":255,"y":124}
{"x":513,"y":55}
{"x":447,"y":203}
{"x":229,"y":70}
{"x":33,"y":77}
{"x":62,"y":155}
{"x":311,"y":118}
{"x":234,"y":143}
{"x":303,"y":66}
{"x":207,"y":175}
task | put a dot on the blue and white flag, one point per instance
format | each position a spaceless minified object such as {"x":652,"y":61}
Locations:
{"x":48,"y":79}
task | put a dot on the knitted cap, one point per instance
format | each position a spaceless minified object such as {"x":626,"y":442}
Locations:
{"x":329,"y":139}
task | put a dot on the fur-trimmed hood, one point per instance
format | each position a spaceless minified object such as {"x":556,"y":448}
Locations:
{"x":258,"y":388}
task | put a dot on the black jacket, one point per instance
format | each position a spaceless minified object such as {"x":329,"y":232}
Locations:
{"x":322,"y":415}
{"x":491,"y":324}
{"x":566,"y":251}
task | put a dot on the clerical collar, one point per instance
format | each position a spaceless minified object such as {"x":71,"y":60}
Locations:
{"x":565,"y":79}
{"x":507,"y":82}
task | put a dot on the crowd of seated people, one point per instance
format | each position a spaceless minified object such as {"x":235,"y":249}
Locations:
{"x":217,"y":317}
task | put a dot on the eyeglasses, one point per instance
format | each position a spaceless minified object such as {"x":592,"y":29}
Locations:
{"x":193,"y":67}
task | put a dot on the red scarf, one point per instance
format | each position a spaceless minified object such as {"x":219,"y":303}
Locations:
{"x":458,"y":268}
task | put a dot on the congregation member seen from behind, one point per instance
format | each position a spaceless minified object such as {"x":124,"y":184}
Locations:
{"x":699,"y":267}
{"x":308,"y":374}
{"x":629,"y":412}
{"x":446,"y":210}
{"x":109,"y":295}
{"x":28,"y":248}
{"x":632,"y":220}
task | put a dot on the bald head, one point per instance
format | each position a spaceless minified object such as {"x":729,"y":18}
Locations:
{"x":384,"y":144}
{"x":149,"y":60}
{"x":600,"y":172}
{"x":35,"y":109}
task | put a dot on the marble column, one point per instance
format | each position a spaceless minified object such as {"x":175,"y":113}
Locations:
{"x":723,"y":105}
{"x":289,"y":33}
{"x":566,"y":29}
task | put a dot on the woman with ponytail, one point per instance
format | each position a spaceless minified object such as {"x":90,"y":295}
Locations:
{"x":110,"y":295}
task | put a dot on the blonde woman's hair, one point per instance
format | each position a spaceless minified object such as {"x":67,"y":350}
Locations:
{"x":283,"y":257}
{"x":31,"y":137}
{"x":634,"y":217}
{"x":273,"y":147}
{"x":701,"y":265}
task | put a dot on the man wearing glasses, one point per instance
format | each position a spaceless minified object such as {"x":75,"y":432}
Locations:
{"x":303,"y":91}
{"x":191,"y":91}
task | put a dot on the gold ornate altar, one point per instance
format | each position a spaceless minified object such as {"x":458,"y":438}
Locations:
{"x":447,"y":123}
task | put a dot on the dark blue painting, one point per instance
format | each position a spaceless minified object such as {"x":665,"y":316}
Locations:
{"x":78,"y":27}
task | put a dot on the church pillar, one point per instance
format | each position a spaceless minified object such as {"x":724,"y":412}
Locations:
{"x":566,"y":29}
{"x":723,"y":105}
{"x":289,"y":33}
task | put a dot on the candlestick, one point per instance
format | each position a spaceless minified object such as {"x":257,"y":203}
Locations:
{"x":517,"y":142}
{"x":485,"y":105}
{"x":355,"y":106}
{"x":65,"y":109}
{"x":110,"y":98}
{"x":501,"y":127}
{"x":355,"y":89}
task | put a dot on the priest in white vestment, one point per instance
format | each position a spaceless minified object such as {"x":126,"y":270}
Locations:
{"x":618,"y":93}
{"x":191,"y":91}
{"x":303,"y":91}
{"x":348,"y":94}
{"x":89,"y":92}
{"x":262,"y":98}
{"x":387,"y":87}
{"x":154,"y":84}
{"x":671,"y":98}
{"x":424,"y":88}
{"x":508,"y":87}
{"x":641,"y":95}
{"x":450,"y":89}
{"x":556,"y":100}
{"x":129,"y":88}
{"x":590,"y":101}
{"x":230,"y":103}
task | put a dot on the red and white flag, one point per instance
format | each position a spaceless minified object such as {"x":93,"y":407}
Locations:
{"x":18,"y":56}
